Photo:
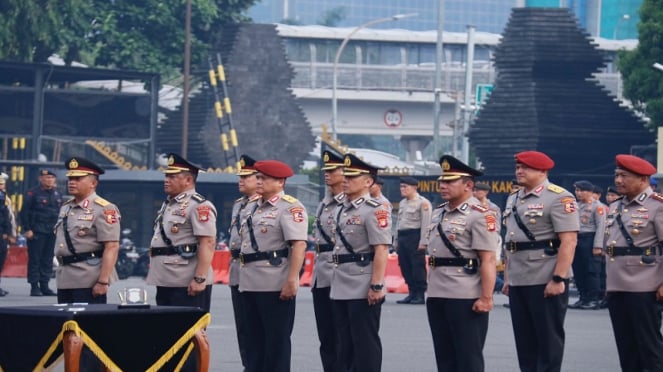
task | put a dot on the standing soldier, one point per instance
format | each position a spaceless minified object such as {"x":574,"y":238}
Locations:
{"x":241,"y":208}
{"x":273,"y":245}
{"x":87,"y":237}
{"x":587,"y":265}
{"x":414,"y":213}
{"x":634,"y":267}
{"x":363,"y":235}
{"x":184,"y":240}
{"x":38,"y":216}
{"x":462,"y":243}
{"x":324,"y":237}
{"x":541,"y":234}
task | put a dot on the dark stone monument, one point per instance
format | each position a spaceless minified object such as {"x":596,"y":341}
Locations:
{"x":544,"y":100}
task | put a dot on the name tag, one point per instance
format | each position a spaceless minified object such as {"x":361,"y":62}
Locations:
{"x":86,"y":217}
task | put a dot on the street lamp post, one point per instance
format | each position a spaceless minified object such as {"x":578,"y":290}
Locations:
{"x":338,"y":56}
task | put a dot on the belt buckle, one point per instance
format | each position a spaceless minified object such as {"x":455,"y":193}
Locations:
{"x":60,"y":260}
{"x":335,"y":259}
{"x":241,"y":258}
{"x":431,"y":261}
{"x":610,"y":250}
{"x":317,"y":248}
{"x":512,"y":246}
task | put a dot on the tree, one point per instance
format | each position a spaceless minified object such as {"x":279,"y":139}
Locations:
{"x":643,"y":85}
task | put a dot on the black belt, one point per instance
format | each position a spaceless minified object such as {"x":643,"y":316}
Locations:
{"x":588,"y":233}
{"x":352,"y":257}
{"x":324,"y":248}
{"x":529,"y":246}
{"x":628,"y":251}
{"x":234,"y":253}
{"x":169,"y":251}
{"x":448,"y":261}
{"x":408,"y":231}
{"x":262,"y":256}
{"x":68,"y":260}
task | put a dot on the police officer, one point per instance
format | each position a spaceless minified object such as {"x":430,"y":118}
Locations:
{"x":611,"y":195}
{"x":481,"y":191}
{"x":463,"y":239}
{"x":634,"y":266}
{"x":414,"y":213}
{"x":363,"y":235}
{"x":273,"y":246}
{"x":241,"y":207}
{"x":325,"y":223}
{"x":541,"y":234}
{"x":376,"y":193}
{"x":38,"y":216}
{"x":7,"y":230}
{"x":587,"y":266}
{"x":87,"y":237}
{"x":184,"y":240}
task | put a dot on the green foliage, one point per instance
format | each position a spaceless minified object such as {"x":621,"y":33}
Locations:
{"x":643,"y":85}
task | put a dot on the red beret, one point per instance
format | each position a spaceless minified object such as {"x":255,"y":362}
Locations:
{"x":273,"y":168}
{"x":635,"y":165}
{"x":535,"y":160}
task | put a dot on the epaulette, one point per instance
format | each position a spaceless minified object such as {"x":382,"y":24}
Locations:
{"x":513,"y":192}
{"x":556,"y":189}
{"x":658,"y":197}
{"x":289,"y":199}
{"x":101,"y":201}
{"x":619,"y":198}
{"x":254,"y":198}
{"x":442,"y":205}
{"x":68,"y":201}
{"x":373,"y":203}
{"x":480,"y":208}
{"x":239,"y":200}
{"x":197,"y":197}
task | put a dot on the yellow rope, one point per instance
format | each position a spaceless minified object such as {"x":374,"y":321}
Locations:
{"x":179,"y":366}
{"x":203,"y":322}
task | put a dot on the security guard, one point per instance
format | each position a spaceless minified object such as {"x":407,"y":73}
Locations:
{"x":87,"y":237}
{"x":541,"y":234}
{"x":633,"y":248}
{"x":324,"y":231}
{"x":363,"y":235}
{"x":273,"y":246}
{"x":241,"y":208}
{"x":587,"y":266}
{"x":414,"y":213}
{"x":184,"y":240}
{"x":38,"y":215}
{"x":463,"y":239}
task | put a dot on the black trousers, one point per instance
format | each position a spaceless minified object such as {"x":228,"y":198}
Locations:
{"x":177,"y":296}
{"x":538,"y":327}
{"x":3,"y":254}
{"x":636,"y":323}
{"x":268,"y":329}
{"x":40,"y":257}
{"x":587,"y":268}
{"x":324,"y":321}
{"x":411,"y":260}
{"x":240,"y":322}
{"x":358,"y":345}
{"x":459,"y":334}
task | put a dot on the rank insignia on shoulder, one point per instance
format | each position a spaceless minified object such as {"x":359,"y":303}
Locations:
{"x":442,"y":205}
{"x":254,"y":197}
{"x":556,"y":189}
{"x":289,"y":199}
{"x":239,"y":200}
{"x":373,"y":203}
{"x":101,"y":201}
{"x":68,"y":201}
{"x":480,"y":208}
{"x":658,"y":197}
{"x":197,"y":197}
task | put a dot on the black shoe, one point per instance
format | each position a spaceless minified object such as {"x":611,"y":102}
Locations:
{"x":603,"y":304}
{"x":418,"y":300}
{"x":406,"y":300}
{"x":3,"y":293}
{"x":48,"y":292}
{"x":590,"y":305}
{"x":577,"y":304}
{"x":35,"y":292}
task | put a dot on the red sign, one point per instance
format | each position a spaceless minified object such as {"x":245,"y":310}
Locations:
{"x":393,"y":118}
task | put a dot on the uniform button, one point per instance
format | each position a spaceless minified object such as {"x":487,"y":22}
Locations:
{"x":512,"y":233}
{"x":522,"y":201}
{"x":362,"y":270}
{"x":337,"y":248}
{"x":543,"y":255}
{"x":326,"y":209}
{"x":446,"y":219}
{"x":434,"y":250}
{"x":61,"y":245}
{"x":459,"y":270}
{"x":345,"y":214}
{"x":613,"y":242}
{"x":625,"y":210}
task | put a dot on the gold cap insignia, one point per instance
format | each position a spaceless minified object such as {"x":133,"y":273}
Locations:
{"x":347,"y":161}
{"x":445,"y":165}
{"x":171,"y":160}
{"x":326,"y":158}
{"x":242,"y":162}
{"x":73,"y":164}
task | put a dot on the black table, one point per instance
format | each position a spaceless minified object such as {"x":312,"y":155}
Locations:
{"x":129,"y":339}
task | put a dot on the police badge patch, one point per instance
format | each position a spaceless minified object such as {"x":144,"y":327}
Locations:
{"x":203,"y":213}
{"x":297,"y":214}
{"x":111,"y":216}
{"x":383,"y":218}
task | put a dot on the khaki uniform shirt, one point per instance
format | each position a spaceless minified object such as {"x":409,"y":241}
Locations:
{"x":185,"y":217}
{"x":592,"y":219}
{"x":643,"y":220}
{"x":90,"y":223}
{"x":241,"y":210}
{"x":364,"y":223}
{"x":546,"y":210}
{"x":275,"y":223}
{"x":414,"y":214}
{"x":324,"y":267}
{"x":470,"y":228}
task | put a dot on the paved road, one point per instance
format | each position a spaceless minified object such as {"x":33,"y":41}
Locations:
{"x":406,"y":339}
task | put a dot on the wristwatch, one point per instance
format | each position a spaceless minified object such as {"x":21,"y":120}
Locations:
{"x":199,"y":279}
{"x":557,"y":279}
{"x":377,"y":287}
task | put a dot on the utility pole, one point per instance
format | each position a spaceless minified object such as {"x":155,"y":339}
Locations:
{"x":467,"y":112}
{"x":185,"y":89}
{"x":437,"y":87}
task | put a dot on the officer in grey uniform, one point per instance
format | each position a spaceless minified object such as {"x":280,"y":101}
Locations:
{"x":414,"y":213}
{"x":376,"y":193}
{"x":587,"y":266}
{"x":481,"y":191}
{"x":325,"y":223}
{"x":87,"y":237}
{"x":184,"y":240}
{"x":541,"y":234}
{"x":463,"y":239}
{"x":248,"y":187}
{"x":363,"y":235}
{"x":273,"y":246}
{"x":633,"y":248}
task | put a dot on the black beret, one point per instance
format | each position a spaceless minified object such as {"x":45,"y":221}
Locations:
{"x":584,"y":185}
{"x":409,"y":181}
{"x":482,"y":186}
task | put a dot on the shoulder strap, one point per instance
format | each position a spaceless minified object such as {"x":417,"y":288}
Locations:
{"x":252,"y":235}
{"x":319,"y":225}
{"x":446,"y":240}
{"x":339,"y":231}
{"x":67,"y":237}
{"x":239,"y":212}
{"x":165,"y":238}
{"x":627,"y":236}
{"x":519,"y":221}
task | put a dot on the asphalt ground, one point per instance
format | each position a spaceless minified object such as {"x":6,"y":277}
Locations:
{"x":406,"y":339}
